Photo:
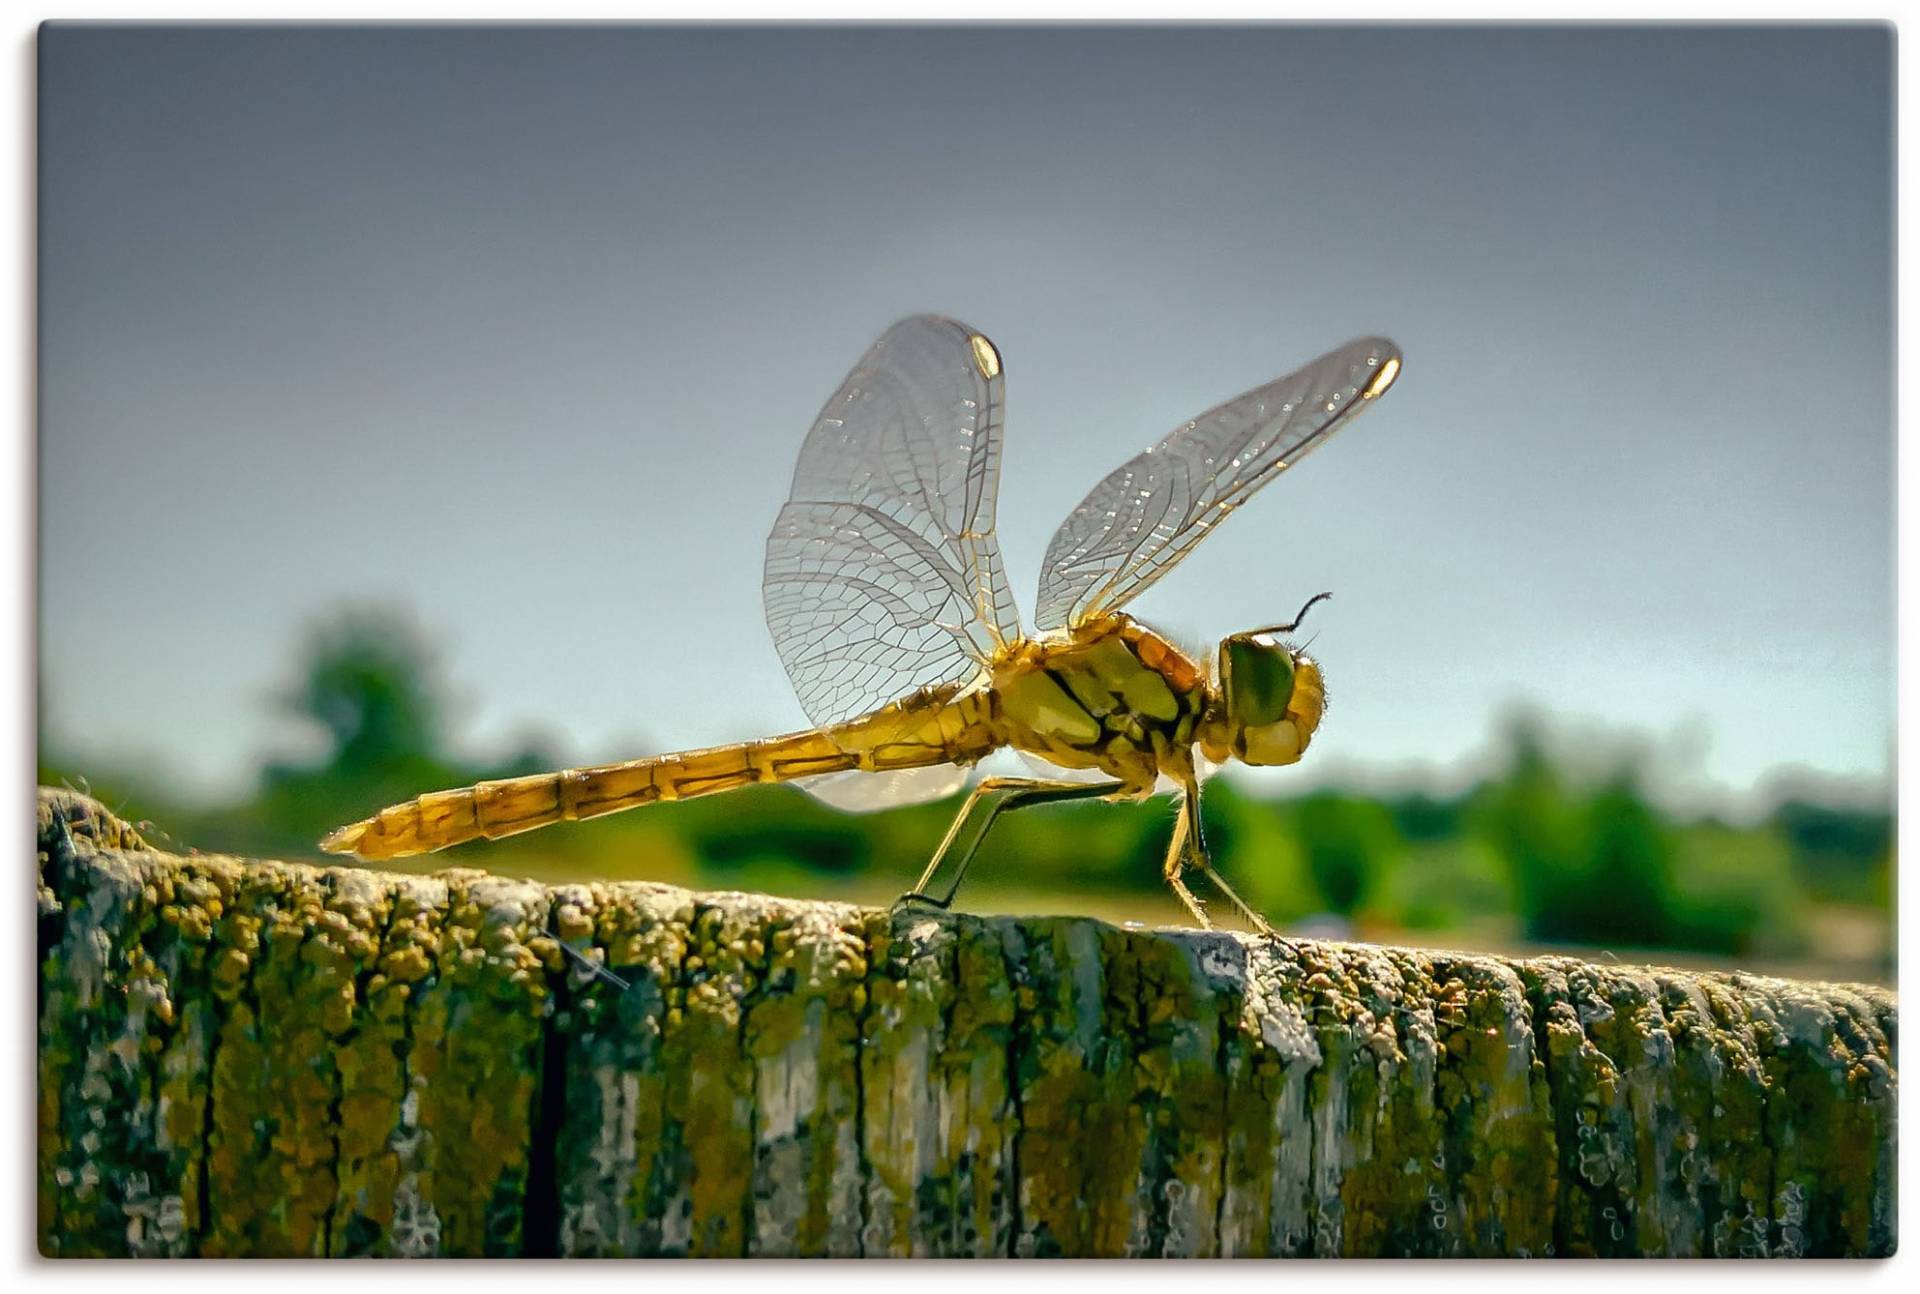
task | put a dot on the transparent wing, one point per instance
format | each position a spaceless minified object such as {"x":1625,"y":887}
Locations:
{"x":1142,"y":519}
{"x":883,"y":574}
{"x":1046,"y":768}
{"x":893,"y":789}
{"x":1203,"y":769}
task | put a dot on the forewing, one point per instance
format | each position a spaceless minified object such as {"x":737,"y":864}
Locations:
{"x":883,"y":574}
{"x":1149,"y":513}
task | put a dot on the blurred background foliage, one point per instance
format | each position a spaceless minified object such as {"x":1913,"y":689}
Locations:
{"x":1536,"y":854}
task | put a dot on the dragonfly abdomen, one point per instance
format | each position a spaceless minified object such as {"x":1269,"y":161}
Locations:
{"x":925,"y":729}
{"x":494,"y":810}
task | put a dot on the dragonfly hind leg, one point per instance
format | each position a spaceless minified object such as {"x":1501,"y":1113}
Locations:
{"x":1176,"y":862}
{"x":1021,"y":792}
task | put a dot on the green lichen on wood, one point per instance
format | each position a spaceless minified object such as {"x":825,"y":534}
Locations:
{"x":909,"y":992}
{"x":625,"y":1192}
{"x":1381,"y":1064}
{"x":270,"y":1059}
{"x":803,"y":1039}
{"x":111,"y":1104}
{"x":491,"y":985}
{"x":377,"y":1208}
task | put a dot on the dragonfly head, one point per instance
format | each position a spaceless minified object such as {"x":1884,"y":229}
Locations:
{"x":1268,"y":703}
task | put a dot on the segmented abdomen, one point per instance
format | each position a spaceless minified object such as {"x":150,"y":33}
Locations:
{"x":932,"y":727}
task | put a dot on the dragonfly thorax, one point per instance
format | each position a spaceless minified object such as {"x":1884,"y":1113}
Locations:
{"x":1114,"y":695}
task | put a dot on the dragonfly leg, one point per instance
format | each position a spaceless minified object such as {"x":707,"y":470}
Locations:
{"x":1021,"y":793}
{"x":1201,"y":860}
{"x":1176,"y":859}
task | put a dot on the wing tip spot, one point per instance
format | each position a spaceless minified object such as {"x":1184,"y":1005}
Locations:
{"x":985,"y":357}
{"x":1377,"y":384}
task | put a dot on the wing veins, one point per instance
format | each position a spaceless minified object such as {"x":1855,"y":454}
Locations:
{"x":1106,"y":553}
{"x":882,"y":572}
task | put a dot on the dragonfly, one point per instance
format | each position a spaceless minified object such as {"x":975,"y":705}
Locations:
{"x":889,"y":606}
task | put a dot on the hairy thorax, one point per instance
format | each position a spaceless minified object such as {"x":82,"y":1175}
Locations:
{"x":1114,"y":696}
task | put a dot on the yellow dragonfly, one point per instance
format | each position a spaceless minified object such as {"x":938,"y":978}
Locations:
{"x":890,"y":609}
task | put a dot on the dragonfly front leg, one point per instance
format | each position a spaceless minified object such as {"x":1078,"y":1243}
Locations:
{"x":1022,"y":792}
{"x":1190,"y":805}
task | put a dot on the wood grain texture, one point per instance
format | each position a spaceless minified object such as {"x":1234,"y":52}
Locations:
{"x":258,"y":1058}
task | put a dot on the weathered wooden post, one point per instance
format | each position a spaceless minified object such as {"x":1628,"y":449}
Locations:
{"x":258,"y":1058}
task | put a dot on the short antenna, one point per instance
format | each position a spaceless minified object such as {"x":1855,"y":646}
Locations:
{"x":1301,"y":615}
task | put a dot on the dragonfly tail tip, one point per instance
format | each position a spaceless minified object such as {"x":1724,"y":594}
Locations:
{"x":344,"y":840}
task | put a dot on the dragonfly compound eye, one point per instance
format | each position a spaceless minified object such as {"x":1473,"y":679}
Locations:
{"x":1256,"y":674}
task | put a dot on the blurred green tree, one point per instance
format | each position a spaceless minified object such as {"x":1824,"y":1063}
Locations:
{"x":367,"y":681}
{"x":1586,"y":868}
{"x":1526,"y":816}
{"x":1349,"y":844}
{"x":1736,"y":893}
{"x":1840,"y":854}
{"x":1624,"y":884}
{"x":1421,"y":818}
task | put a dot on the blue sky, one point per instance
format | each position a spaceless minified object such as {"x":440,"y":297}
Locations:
{"x":521,"y":329}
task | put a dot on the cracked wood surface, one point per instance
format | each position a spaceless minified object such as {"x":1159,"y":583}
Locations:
{"x":259,"y":1058}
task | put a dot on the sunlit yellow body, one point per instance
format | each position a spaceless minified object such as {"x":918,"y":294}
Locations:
{"x":889,"y":605}
{"x":1113,"y":696}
